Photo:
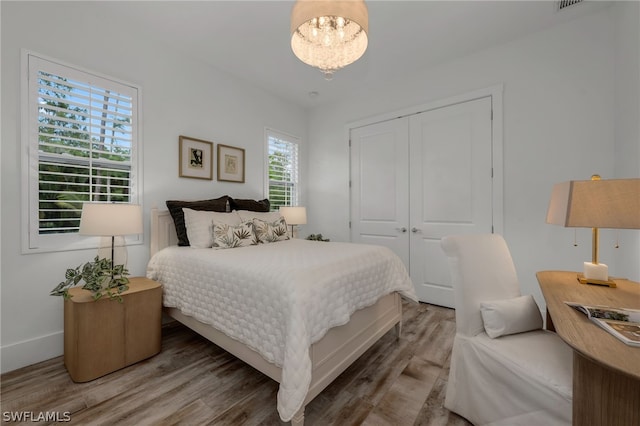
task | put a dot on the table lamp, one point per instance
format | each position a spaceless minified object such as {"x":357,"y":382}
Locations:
{"x":596,"y":203}
{"x":294,"y":216}
{"x":111,"y":220}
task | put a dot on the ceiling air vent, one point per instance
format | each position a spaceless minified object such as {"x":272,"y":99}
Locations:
{"x":563,"y":4}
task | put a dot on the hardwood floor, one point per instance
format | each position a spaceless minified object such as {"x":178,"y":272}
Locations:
{"x":193,"y":382}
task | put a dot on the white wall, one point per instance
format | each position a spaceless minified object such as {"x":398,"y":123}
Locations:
{"x":180,"y":96}
{"x":559,"y":125}
{"x":627,"y":121}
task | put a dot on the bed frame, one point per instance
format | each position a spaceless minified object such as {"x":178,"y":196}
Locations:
{"x":330,"y":356}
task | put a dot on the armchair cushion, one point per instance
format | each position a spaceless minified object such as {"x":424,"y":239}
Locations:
{"x":510,"y":316}
{"x":525,"y":373}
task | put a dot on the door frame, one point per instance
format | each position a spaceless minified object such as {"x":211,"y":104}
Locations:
{"x":497,"y":150}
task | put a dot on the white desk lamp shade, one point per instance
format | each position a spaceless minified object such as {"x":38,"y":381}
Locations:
{"x":111,"y":221}
{"x":294,"y":215}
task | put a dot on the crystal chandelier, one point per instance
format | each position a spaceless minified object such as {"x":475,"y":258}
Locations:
{"x":329,"y":34}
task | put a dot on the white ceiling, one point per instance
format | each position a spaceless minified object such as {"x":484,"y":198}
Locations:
{"x":250,"y":39}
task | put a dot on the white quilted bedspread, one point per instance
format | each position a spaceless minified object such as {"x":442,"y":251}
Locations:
{"x":279,"y":298}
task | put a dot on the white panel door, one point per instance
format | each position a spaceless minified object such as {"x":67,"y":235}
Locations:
{"x":380,"y":186}
{"x":451,"y":188}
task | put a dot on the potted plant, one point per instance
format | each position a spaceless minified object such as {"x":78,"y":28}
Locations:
{"x":99,"y":277}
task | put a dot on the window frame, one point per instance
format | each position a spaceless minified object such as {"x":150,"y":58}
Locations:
{"x":32,"y":240}
{"x":271,"y":133}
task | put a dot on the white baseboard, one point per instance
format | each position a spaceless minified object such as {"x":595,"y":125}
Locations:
{"x":32,"y":351}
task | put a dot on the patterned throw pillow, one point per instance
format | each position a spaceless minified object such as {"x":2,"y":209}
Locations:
{"x":230,"y":236}
{"x":270,"y":232}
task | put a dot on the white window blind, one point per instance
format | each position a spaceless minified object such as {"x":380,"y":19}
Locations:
{"x":82,"y":145}
{"x":283,"y":169}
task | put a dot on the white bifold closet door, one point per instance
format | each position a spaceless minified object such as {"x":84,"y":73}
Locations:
{"x":418,"y":178}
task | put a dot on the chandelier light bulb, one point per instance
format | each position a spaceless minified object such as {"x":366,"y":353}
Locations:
{"x":329,"y":34}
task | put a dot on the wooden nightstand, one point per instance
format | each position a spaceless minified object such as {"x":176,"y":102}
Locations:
{"x":105,"y":336}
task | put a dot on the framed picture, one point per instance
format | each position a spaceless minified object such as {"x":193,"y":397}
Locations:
{"x":230,"y":163}
{"x":196,"y":158}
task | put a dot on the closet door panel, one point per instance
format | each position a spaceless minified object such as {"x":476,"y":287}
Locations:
{"x":445,"y":164}
{"x":380,"y":186}
{"x":451,"y":188}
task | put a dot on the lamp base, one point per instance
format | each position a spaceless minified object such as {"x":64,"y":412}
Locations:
{"x":607,"y":283}
{"x":119,"y":250}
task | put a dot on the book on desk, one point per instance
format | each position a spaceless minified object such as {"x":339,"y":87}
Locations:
{"x":622,"y":323}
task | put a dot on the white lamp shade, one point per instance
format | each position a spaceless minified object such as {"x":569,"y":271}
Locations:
{"x":294,"y":215}
{"x":109,"y":219}
{"x":611,"y":203}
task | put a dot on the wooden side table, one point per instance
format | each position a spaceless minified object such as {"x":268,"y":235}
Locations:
{"x":105,"y":335}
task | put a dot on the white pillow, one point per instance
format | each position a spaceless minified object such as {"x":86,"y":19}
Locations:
{"x":510,"y":316}
{"x":199,"y":224}
{"x":246,"y":215}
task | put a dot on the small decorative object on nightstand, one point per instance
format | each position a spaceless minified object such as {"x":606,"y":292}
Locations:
{"x":317,"y":237}
{"x":104,"y":336}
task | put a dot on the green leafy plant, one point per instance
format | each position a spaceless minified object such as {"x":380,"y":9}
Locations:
{"x":99,"y":278}
{"x":317,"y":237}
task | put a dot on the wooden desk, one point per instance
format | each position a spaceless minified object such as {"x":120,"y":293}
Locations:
{"x":606,"y":372}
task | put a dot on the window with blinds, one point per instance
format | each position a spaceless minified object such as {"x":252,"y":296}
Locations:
{"x":82,"y":145}
{"x":283,"y":169}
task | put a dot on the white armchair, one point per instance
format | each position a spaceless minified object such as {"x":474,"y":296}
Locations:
{"x":520,"y":378}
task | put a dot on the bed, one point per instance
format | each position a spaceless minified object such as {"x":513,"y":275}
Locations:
{"x":304,"y":345}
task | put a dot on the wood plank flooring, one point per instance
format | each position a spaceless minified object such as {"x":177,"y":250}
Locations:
{"x":193,"y":382}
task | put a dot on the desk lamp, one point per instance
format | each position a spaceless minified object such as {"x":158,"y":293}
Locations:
{"x":596,"y":203}
{"x":111,"y":220}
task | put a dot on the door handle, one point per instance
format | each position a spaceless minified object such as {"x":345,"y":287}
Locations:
{"x":403,"y":229}
{"x":415,"y":230}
